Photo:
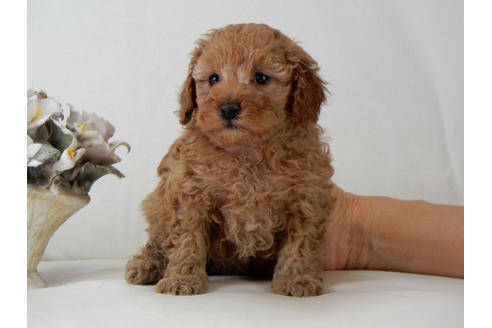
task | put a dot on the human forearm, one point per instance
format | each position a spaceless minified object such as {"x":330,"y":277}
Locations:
{"x":414,"y":236}
{"x":380,"y":233}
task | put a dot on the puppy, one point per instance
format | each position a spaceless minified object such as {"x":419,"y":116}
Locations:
{"x":246,"y":189}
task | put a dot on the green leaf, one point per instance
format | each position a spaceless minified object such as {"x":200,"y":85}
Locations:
{"x":62,"y":181}
{"x":39,"y":176}
{"x":57,"y":138}
{"x":90,"y":172}
{"x":46,"y":153}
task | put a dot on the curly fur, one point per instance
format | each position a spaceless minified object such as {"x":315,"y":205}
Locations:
{"x":252,"y":199}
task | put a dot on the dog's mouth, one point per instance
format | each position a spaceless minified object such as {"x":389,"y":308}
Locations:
{"x":231,"y":125}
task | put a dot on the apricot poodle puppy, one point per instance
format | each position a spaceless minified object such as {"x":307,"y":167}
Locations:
{"x":246,"y":188}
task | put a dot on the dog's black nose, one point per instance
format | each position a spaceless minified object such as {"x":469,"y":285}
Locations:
{"x":229,"y":111}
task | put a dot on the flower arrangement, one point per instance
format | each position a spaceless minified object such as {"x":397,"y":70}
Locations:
{"x":67,"y":150}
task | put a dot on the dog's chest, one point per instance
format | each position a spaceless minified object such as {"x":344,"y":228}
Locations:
{"x":251,"y":188}
{"x":250,"y":212}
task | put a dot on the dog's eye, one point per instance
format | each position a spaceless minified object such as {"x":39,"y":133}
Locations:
{"x":261,"y":78}
{"x":214,"y":78}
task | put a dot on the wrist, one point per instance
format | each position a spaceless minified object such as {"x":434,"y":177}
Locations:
{"x":368,"y":213}
{"x":348,"y":244}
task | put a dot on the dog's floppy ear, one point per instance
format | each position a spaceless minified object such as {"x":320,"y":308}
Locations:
{"x":307,"y":92}
{"x":187,"y":100}
{"x":187,"y":97}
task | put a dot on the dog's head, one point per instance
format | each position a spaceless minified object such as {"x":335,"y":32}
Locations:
{"x":246,"y":81}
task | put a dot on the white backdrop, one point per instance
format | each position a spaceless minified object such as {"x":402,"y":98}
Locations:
{"x":394,"y":121}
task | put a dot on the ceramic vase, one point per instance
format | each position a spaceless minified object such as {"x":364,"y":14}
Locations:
{"x":46,"y":212}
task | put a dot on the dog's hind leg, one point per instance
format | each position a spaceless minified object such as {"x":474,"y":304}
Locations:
{"x":148,"y":267}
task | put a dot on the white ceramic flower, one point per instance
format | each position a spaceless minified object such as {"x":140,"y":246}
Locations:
{"x":93,"y":133}
{"x":92,"y":128}
{"x":39,"y":109}
{"x":69,"y":157}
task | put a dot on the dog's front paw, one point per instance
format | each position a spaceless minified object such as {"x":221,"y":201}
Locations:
{"x":297,"y":285}
{"x":182,"y":285}
{"x":142,"y":271}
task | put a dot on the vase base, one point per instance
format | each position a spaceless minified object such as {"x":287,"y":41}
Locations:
{"x":34,"y":280}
